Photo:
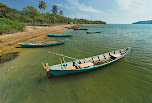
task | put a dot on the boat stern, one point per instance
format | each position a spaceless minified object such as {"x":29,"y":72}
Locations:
{"x":47,"y":70}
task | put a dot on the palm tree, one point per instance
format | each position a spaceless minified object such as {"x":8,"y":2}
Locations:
{"x":42,"y":5}
{"x":61,"y":14}
{"x":54,"y":12}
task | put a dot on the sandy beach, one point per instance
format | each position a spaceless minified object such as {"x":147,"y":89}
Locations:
{"x":9,"y":41}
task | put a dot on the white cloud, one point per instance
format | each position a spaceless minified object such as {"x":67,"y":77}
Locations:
{"x":82,"y":7}
{"x":49,"y":1}
{"x":124,"y":4}
{"x":129,"y":11}
{"x":52,"y":3}
{"x":80,"y":16}
{"x":126,"y":11}
{"x":132,"y":6}
{"x":60,"y":5}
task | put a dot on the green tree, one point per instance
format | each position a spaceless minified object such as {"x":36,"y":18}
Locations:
{"x":32,"y":12}
{"x":54,"y":12}
{"x":4,"y":10}
{"x":61,"y":14}
{"x":42,"y":5}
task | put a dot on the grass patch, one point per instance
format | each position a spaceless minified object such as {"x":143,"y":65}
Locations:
{"x":9,"y":26}
{"x":1,"y":41}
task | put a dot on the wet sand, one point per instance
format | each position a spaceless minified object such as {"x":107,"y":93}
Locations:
{"x":33,"y":33}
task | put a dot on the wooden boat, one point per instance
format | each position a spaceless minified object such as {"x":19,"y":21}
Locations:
{"x":86,"y":64}
{"x":80,"y":28}
{"x":8,"y":56}
{"x":42,"y":44}
{"x":90,"y":32}
{"x":59,"y":35}
{"x":72,"y":27}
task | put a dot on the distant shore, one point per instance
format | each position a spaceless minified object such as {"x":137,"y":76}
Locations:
{"x":8,"y":42}
{"x":92,"y":24}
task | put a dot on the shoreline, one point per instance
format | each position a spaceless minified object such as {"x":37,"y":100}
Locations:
{"x":38,"y":33}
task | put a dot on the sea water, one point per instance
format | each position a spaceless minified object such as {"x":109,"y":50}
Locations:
{"x":129,"y":80}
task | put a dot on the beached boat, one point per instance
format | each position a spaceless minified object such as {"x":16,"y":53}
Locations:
{"x":72,"y":27}
{"x":81,"y":65}
{"x":8,"y":56}
{"x":42,"y":44}
{"x":59,"y":35}
{"x":80,"y":28}
{"x":90,"y":32}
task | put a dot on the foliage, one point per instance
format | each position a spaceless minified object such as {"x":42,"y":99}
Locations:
{"x":54,"y":12}
{"x":42,"y":5}
{"x":1,"y":42}
{"x":61,"y":13}
{"x":31,"y":12}
{"x":3,"y":10}
{"x":9,"y":25}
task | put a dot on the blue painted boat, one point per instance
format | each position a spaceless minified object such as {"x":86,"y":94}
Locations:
{"x":59,"y":35}
{"x":86,"y":64}
{"x":42,"y":44}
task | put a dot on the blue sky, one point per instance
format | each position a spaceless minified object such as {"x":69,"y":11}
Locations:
{"x":111,"y":11}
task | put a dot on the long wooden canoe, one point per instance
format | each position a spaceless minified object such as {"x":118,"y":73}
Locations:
{"x":42,"y":44}
{"x":86,"y":64}
{"x":80,"y":28}
{"x":59,"y":35}
{"x":90,"y":32}
{"x":8,"y":56}
{"x":72,"y":27}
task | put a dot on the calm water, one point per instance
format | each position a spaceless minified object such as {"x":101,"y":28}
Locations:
{"x":129,"y":80}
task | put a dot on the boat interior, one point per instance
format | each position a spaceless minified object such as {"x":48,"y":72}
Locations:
{"x":41,"y":43}
{"x":94,"y":32}
{"x":91,"y":61}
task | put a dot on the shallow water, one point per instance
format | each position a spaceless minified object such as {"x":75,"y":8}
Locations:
{"x":128,"y":80}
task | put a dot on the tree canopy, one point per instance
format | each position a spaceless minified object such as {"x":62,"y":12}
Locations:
{"x":9,"y":26}
{"x":54,"y":10}
{"x":31,"y":11}
{"x":30,"y":14}
{"x":61,"y":13}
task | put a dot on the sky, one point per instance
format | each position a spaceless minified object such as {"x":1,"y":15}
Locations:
{"x":110,"y":11}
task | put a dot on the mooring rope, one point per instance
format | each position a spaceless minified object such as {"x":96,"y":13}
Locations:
{"x":62,"y":55}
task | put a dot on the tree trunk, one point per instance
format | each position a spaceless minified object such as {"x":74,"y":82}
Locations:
{"x":42,"y":13}
{"x":54,"y":20}
{"x":33,"y":21}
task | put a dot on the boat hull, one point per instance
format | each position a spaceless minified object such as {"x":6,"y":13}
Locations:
{"x":59,"y":35}
{"x":81,"y":29}
{"x":91,"y":32}
{"x":58,"y":72}
{"x":44,"y":45}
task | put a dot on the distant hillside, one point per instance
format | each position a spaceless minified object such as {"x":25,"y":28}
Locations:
{"x":143,"y":22}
